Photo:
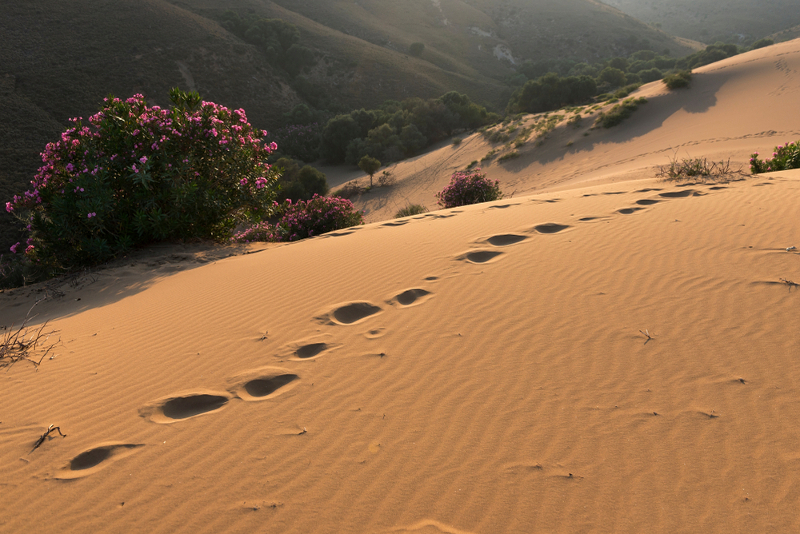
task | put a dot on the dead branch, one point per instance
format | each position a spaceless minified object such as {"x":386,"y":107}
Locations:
{"x":50,"y":429}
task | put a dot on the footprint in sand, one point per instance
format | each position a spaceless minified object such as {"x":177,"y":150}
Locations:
{"x":349,"y":313}
{"x":184,"y":406}
{"x":647,"y":201}
{"x":479,"y":256}
{"x":648,"y":190}
{"x":410,"y":297}
{"x":587,"y":219}
{"x":308,"y":349}
{"x":550,"y":228}
{"x":504,"y":240}
{"x":262,"y":384}
{"x":678,"y":194}
{"x":628,"y":211}
{"x":94,"y":459}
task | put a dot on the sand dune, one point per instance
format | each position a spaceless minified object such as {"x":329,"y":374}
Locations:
{"x":611,"y":357}
{"x":743,"y":104}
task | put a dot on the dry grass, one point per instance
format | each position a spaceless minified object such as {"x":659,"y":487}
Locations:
{"x":30,"y":344}
{"x":699,"y":169}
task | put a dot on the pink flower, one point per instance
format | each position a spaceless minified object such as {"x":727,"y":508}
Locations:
{"x":9,"y":207}
{"x":143,"y":160}
{"x":13,"y":248}
{"x":29,"y":249}
{"x":92,"y":214}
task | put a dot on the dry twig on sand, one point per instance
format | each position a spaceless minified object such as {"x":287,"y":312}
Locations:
{"x":24,"y":343}
{"x":789,"y":283}
{"x":50,"y":429}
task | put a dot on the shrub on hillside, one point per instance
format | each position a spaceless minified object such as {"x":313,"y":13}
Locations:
{"x":136,"y":174}
{"x":468,"y":187}
{"x":297,"y":183}
{"x":411,"y":209}
{"x":678,"y":79}
{"x":300,"y":220}
{"x":416,"y":49}
{"x":784,"y":157}
{"x":620,"y":112}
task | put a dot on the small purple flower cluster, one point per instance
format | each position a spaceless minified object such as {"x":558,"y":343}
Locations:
{"x":784,"y":157}
{"x":468,"y":187}
{"x":303,"y":219}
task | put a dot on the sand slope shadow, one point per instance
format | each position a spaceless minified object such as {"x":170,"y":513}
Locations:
{"x":410,"y":297}
{"x":184,"y":406}
{"x":349,"y":313}
{"x":262,"y":384}
{"x":92,"y":460}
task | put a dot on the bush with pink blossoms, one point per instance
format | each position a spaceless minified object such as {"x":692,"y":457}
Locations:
{"x":468,"y":187}
{"x":134,"y":174}
{"x":303,"y":219}
{"x":784,"y":157}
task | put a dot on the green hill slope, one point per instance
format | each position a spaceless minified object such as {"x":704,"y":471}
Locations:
{"x":711,"y":20}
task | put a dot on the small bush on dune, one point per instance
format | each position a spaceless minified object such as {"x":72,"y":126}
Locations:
{"x":620,"y":112}
{"x":678,"y":80}
{"x":137,"y":174}
{"x":411,"y":209}
{"x":303,"y":219}
{"x":697,"y":168}
{"x":469,"y":187}
{"x":784,"y":157}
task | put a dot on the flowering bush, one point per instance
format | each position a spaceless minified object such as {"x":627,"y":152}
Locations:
{"x":468,"y":187}
{"x":785,"y":157}
{"x":136,"y":174}
{"x":304,"y":219}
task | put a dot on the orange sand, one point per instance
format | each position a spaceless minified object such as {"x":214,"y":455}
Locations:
{"x":476,"y":370}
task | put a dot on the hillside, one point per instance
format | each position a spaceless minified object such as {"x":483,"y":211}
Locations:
{"x":711,"y":20}
{"x":60,"y":59}
{"x":732,"y":108}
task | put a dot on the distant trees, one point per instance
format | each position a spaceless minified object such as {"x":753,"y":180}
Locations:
{"x":416,"y":49}
{"x":399,"y":129}
{"x":278,"y":39}
{"x":296,"y":183}
{"x":552,"y":92}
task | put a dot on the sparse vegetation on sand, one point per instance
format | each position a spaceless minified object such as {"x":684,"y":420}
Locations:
{"x":784,"y":157}
{"x":411,"y":209}
{"x":619,"y":112}
{"x":468,"y":187}
{"x":678,"y":80}
{"x":24,"y":343}
{"x":698,"y":169}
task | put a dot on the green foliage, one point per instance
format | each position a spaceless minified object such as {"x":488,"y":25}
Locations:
{"x":612,"y":76}
{"x":399,"y":129}
{"x":370,"y":166}
{"x":550,"y":92}
{"x":416,"y":49}
{"x":411,"y":209}
{"x":711,"y":54}
{"x":137,"y":174}
{"x":296,"y":183}
{"x":761,"y":43}
{"x":678,"y":79}
{"x":620,"y":112}
{"x":277,"y":39}
{"x":508,"y":156}
{"x":784,"y":157}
